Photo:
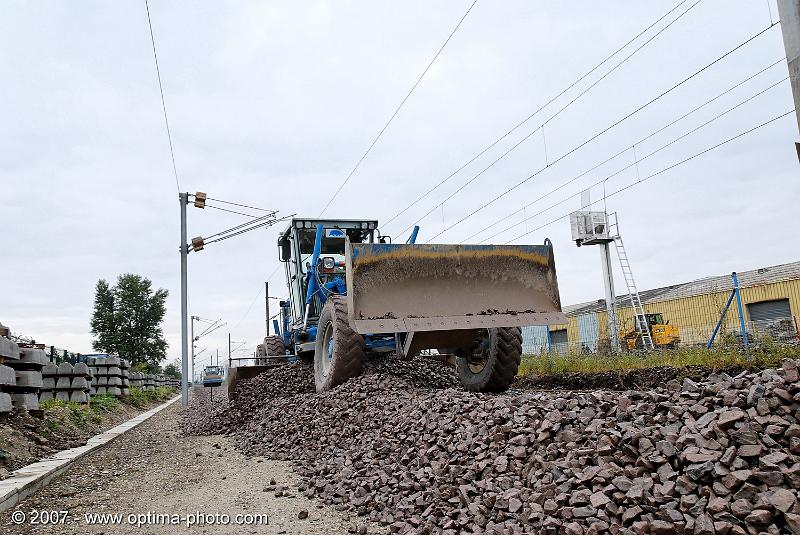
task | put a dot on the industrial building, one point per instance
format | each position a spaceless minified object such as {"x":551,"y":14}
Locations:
{"x":770,"y":303}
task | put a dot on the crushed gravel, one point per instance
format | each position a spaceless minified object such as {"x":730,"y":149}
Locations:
{"x":402,"y":446}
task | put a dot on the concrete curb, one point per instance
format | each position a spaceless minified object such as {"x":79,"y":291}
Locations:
{"x":29,"y":479}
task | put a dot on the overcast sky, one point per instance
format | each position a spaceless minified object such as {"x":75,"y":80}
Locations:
{"x":272,"y":103}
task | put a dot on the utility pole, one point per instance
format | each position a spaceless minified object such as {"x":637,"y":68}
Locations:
{"x":611,"y":298}
{"x":789,"y":12}
{"x":217,"y":357}
{"x":266,"y":292}
{"x":192,"y":346}
{"x":229,"y":350}
{"x":184,"y":200}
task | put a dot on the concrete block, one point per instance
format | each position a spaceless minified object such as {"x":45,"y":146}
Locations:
{"x":101,"y":390}
{"x":114,"y":381}
{"x":32,"y":355}
{"x":8,"y":349}
{"x":44,"y":395}
{"x":113,"y":361}
{"x":80,"y":383}
{"x":114,"y":370}
{"x":26,"y":401}
{"x":5,"y":402}
{"x":65,"y":368}
{"x":50,"y":369}
{"x":101,"y":371}
{"x":114,"y":391}
{"x":7,"y":376}
{"x":29,"y":379}
{"x":124,"y":364}
{"x":63,"y":383}
{"x":49,"y":383}
{"x":101,"y":380}
{"x":63,"y":395}
{"x":125,"y":391}
{"x":80,"y":369}
{"x":78,"y":396}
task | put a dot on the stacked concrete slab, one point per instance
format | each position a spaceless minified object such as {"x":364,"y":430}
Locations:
{"x":124,"y":366}
{"x":107,"y":375}
{"x":9,"y":351}
{"x":66,"y":382}
{"x":28,"y":371}
{"x":148,"y":382}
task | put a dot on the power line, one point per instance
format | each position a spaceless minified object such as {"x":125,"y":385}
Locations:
{"x":237,"y":227}
{"x":163,"y":102}
{"x":639,"y":160}
{"x":240,"y":205}
{"x":661,"y":171}
{"x":248,"y":229}
{"x":396,"y":111}
{"x":605,"y":130}
{"x":553,"y":99}
{"x":623,"y":151}
{"x":234,"y":211}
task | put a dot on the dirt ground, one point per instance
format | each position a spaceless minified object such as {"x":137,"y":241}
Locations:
{"x":25,"y":439}
{"x":154,"y":469}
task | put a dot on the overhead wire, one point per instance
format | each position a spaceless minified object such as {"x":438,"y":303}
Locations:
{"x":661,"y":171}
{"x":605,"y":130}
{"x":163,"y":101}
{"x":543,"y":106}
{"x":248,"y":229}
{"x":396,"y":111}
{"x":236,"y":212}
{"x":623,"y":151}
{"x":637,"y":160}
{"x":240,"y":205}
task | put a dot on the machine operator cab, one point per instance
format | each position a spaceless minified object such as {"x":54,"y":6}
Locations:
{"x":296,"y":249}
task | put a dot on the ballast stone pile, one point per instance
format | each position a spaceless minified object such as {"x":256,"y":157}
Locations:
{"x":712,"y":457}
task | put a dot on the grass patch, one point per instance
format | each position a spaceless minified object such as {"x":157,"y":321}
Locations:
{"x":675,"y":358}
{"x":141,"y":398}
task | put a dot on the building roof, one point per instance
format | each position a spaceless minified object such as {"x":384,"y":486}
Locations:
{"x":707,"y":285}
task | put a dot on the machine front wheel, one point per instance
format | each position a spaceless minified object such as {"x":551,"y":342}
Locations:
{"x":493,"y":362}
{"x":339,"y":351}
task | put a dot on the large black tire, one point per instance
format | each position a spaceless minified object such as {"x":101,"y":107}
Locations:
{"x":273,"y":346}
{"x":494,"y":362}
{"x":339,"y":352}
{"x":274,"y":351}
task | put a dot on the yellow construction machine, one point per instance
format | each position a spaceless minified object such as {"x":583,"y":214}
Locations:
{"x":664,"y":335}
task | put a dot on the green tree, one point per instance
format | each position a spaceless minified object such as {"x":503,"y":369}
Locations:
{"x":171,"y":370}
{"x":127,"y":320}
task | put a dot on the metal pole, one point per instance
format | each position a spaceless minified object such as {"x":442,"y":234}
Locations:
{"x":266,"y":292}
{"x":741,"y":311}
{"x":191,"y":342}
{"x":611,"y":303}
{"x":184,"y":200}
{"x":789,"y":12}
{"x":229,"y":350}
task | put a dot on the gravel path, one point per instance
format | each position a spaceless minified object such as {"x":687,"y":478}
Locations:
{"x":156,"y":469}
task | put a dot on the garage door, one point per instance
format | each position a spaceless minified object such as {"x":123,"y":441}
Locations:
{"x":559,"y":340}
{"x":767,"y":312}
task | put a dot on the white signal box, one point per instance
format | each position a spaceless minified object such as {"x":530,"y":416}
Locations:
{"x":589,"y":228}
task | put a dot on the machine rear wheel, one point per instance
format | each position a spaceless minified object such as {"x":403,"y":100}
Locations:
{"x":273,"y":347}
{"x":339,"y":351}
{"x":493,"y":362}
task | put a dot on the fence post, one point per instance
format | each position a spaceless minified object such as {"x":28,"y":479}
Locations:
{"x":741,"y":311}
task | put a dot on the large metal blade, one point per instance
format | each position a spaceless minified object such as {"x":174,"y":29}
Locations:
{"x":408,"y":288}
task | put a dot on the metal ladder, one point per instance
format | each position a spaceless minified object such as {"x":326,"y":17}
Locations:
{"x":639,"y":319}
